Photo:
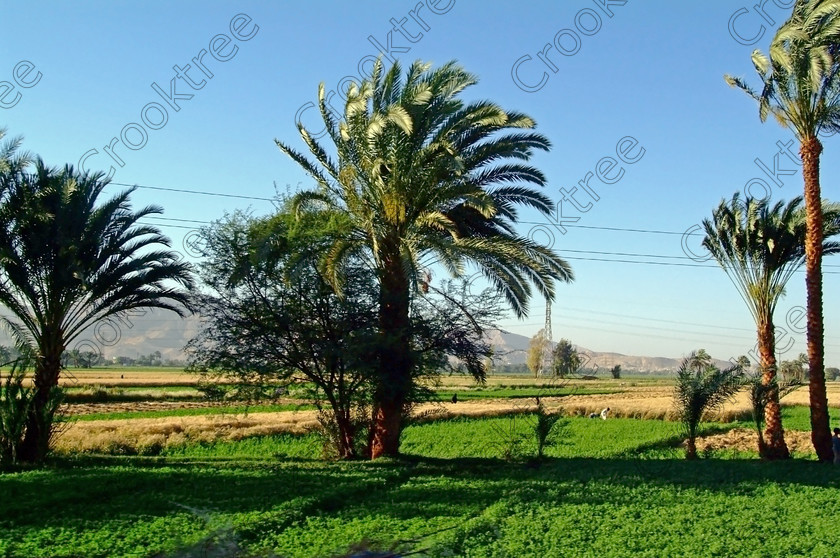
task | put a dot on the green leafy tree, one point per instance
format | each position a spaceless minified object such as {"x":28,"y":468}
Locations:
{"x":271,"y":319}
{"x":832,"y":373}
{"x":536,"y":351}
{"x":800,"y":88}
{"x":565,"y":359}
{"x":760,"y":245}
{"x":702,"y":388}
{"x":420,"y":176}
{"x":66,"y":262}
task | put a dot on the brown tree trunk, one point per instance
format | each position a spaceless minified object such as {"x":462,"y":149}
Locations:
{"x":772,"y":444}
{"x":395,"y":359}
{"x":346,"y":446}
{"x":820,"y":436}
{"x":691,"y":448}
{"x":36,"y":440}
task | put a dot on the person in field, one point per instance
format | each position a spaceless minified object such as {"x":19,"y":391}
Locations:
{"x":835,"y":445}
{"x":604,"y":413}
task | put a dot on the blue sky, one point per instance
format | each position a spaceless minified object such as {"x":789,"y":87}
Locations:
{"x":653,"y":71}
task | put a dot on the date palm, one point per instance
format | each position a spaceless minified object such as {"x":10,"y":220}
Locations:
{"x":760,"y":246}
{"x":800,"y":88}
{"x":422,"y":177}
{"x":66,"y":262}
{"x":10,"y":158}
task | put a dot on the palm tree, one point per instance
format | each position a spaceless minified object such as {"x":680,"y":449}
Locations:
{"x":702,"y":388}
{"x":9,"y":156}
{"x":801,"y":88}
{"x":760,"y":246}
{"x":66,"y":262}
{"x":420,"y":176}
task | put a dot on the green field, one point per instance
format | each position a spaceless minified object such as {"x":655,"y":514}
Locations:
{"x":608,"y":488}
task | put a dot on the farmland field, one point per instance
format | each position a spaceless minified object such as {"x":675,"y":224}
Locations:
{"x":156,"y":477}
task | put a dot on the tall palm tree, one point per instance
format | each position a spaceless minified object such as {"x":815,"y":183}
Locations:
{"x":422,"y":176}
{"x":801,"y":89}
{"x":66,"y":262}
{"x":760,"y":246}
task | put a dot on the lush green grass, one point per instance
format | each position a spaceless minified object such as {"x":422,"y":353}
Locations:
{"x":794,"y":417}
{"x":187,"y":412}
{"x":609,"y":488}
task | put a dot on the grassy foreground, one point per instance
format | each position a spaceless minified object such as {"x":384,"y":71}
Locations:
{"x":614,"y":488}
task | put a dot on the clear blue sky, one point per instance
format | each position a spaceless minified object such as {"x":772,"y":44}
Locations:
{"x":653,"y":71}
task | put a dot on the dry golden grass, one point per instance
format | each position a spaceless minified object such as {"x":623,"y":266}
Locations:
{"x":647,"y":402}
{"x":128,"y":376}
{"x":744,"y":439}
{"x":132,"y":434}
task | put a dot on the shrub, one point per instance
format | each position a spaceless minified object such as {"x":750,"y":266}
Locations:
{"x":16,"y":406}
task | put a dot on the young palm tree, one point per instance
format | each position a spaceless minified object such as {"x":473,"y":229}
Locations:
{"x":66,"y":262}
{"x":801,"y":88}
{"x":760,"y":246}
{"x":702,"y":388}
{"x":420,"y":175}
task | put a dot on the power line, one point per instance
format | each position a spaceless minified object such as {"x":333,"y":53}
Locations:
{"x":619,"y":229}
{"x":197,"y":192}
{"x":177,"y":220}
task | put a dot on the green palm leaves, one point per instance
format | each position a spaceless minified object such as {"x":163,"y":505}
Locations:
{"x":801,"y":77}
{"x":760,"y":245}
{"x":66,"y":261}
{"x":424,"y":177}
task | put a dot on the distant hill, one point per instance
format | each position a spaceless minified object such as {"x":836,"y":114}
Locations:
{"x":157,"y":330}
{"x":511,"y":348}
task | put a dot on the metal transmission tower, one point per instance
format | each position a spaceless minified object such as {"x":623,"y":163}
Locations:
{"x":545,"y":364}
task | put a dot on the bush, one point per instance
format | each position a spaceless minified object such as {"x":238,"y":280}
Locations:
{"x":15,"y":404}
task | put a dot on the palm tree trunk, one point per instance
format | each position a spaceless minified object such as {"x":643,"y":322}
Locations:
{"x":810,"y":150}
{"x":395,"y":361}
{"x":772,"y":446}
{"x":36,"y":440}
{"x":691,"y":446}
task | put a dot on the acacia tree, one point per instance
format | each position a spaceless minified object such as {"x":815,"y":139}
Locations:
{"x":800,"y":88}
{"x":565,"y":359}
{"x":272,"y":318}
{"x":66,"y":262}
{"x":760,"y":245}
{"x":420,"y":177}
